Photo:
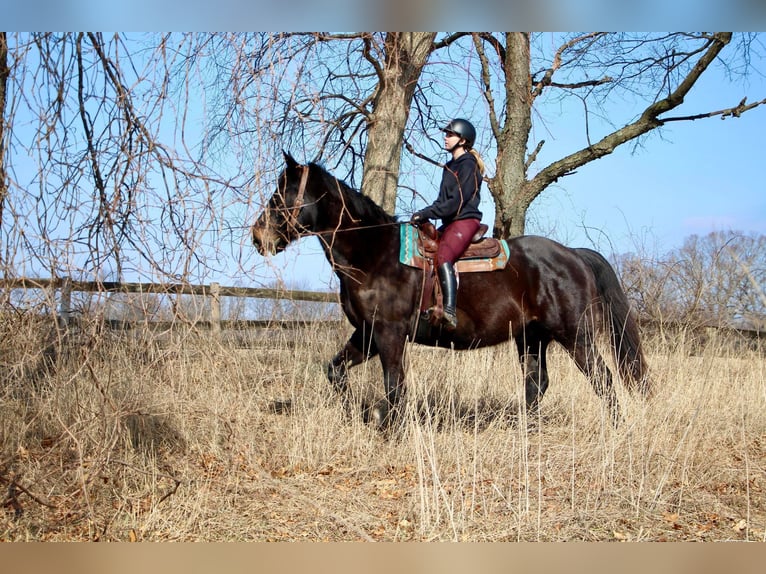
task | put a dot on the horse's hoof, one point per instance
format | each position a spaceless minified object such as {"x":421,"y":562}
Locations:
{"x":281,"y":406}
{"x":379,"y":415}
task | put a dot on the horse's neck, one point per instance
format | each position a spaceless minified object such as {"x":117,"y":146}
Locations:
{"x":356,"y":246}
{"x":352,"y":237}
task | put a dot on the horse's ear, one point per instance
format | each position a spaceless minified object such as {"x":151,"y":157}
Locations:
{"x":291,"y":163}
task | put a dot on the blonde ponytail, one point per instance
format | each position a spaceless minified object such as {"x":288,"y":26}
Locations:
{"x":479,"y":161}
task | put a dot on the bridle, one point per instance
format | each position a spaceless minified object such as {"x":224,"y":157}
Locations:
{"x":295,"y":210}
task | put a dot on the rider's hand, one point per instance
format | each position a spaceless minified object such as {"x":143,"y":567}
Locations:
{"x":417,"y":219}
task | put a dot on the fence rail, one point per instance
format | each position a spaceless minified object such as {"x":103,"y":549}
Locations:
{"x":213,"y":291}
{"x":165,"y":288}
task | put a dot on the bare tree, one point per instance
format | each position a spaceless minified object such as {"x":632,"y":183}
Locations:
{"x":349,"y":95}
{"x":724,"y":275}
{"x":404,"y":54}
{"x":595,"y":68}
{"x":714,"y":280}
{"x":96,"y":189}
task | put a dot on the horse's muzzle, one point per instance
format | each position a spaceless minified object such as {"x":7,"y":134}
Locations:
{"x":265,"y":240}
{"x":259,"y":235}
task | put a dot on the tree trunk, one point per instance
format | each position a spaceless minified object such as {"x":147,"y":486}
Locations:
{"x":509,"y":186}
{"x":406,"y":54}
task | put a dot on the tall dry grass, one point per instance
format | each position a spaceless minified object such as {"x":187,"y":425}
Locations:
{"x":109,"y":436}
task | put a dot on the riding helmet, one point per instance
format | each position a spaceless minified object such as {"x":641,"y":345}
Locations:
{"x":464,"y":129}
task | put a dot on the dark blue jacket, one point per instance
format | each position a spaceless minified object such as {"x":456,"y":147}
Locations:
{"x":458,"y":193}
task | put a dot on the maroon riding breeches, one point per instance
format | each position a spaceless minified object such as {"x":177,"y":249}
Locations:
{"x":455,"y":239}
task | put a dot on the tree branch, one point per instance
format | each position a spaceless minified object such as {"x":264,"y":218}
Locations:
{"x":495,"y":43}
{"x":585,"y":84}
{"x":547,"y":79}
{"x":533,"y":156}
{"x":648,"y":120}
{"x":487,"y":91}
{"x":734,"y":112}
{"x":367,"y":52}
{"x":4,"y":74}
{"x":451,"y":39}
{"x":425,"y":158}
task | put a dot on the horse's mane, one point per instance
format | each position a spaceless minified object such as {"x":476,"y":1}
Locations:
{"x":358,"y":204}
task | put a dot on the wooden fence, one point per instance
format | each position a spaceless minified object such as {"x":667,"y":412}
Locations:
{"x":214,"y":291}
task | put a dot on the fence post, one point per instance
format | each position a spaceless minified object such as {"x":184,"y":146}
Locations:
{"x":215,"y":308}
{"x":65,"y":305}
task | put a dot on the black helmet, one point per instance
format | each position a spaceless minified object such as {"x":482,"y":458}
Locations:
{"x":464,"y":129}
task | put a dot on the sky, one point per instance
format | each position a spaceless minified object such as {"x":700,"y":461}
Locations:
{"x":693,"y":177}
{"x":690,"y":178}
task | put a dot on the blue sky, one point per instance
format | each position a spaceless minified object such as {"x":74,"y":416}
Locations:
{"x":693,"y":177}
{"x":690,"y":178}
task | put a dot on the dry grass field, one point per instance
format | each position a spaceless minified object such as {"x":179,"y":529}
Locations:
{"x":182,"y":438}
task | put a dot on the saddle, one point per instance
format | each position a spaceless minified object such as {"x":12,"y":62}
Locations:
{"x":480,"y":247}
{"x":420,"y":244}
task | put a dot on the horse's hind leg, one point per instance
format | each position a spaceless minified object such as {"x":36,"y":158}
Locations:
{"x":532,"y":355}
{"x":357,"y":350}
{"x":593,"y":366}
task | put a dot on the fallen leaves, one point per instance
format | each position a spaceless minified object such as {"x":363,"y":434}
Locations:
{"x":388,"y":489}
{"x":704,"y":525}
{"x":740,"y":526}
{"x":620,"y":536}
{"x":672,"y":519}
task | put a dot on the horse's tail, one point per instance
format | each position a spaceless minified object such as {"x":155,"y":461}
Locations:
{"x":625,"y":338}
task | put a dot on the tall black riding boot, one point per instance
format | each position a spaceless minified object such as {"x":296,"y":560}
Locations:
{"x":448,"y":283}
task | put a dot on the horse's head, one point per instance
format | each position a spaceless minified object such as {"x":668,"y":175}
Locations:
{"x":282,"y":220}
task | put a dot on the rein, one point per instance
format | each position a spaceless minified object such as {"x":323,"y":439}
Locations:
{"x":360,"y":227}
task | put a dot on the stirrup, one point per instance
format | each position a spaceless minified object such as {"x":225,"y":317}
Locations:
{"x":449,"y":320}
{"x":440,"y":317}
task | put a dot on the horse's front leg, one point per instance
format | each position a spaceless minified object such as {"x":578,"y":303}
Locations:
{"x":357,"y":350}
{"x":390,"y":342}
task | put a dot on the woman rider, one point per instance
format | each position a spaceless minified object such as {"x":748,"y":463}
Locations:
{"x":457,"y":205}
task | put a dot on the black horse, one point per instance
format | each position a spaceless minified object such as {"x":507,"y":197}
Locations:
{"x":546,"y":292}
